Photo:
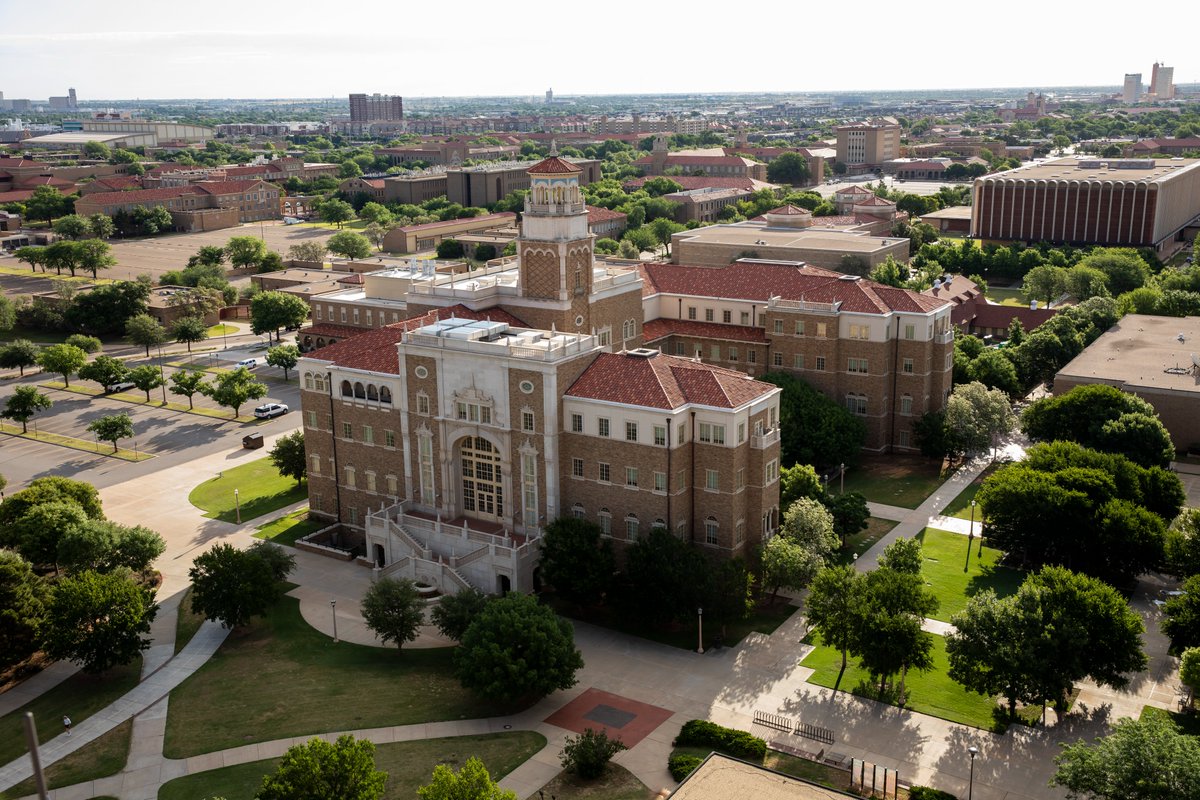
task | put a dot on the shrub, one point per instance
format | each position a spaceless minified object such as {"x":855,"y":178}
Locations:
{"x":682,"y":764}
{"x":88,"y":344}
{"x":926,"y":793}
{"x":588,"y":753}
{"x":739,"y":744}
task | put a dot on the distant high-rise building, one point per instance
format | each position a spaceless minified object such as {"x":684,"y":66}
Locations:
{"x":65,"y":102}
{"x":1162,"y":82}
{"x":375,"y":107}
{"x":1133,"y":87}
{"x":549,"y":96}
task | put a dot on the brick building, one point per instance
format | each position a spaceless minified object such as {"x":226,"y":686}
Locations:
{"x":864,"y":146}
{"x":193,"y":206}
{"x":711,"y":161}
{"x":484,"y":184}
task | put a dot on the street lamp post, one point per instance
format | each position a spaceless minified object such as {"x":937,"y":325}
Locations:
{"x":700,"y":626}
{"x":842,"y":478}
{"x":974,"y":751}
{"x":333,"y":610}
{"x":237,"y":504}
{"x":162,"y":377}
{"x":970,"y":536}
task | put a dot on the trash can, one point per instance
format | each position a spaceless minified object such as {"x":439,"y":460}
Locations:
{"x":252,"y":441}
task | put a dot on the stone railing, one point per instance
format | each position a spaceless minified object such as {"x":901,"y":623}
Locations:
{"x":761,"y":441}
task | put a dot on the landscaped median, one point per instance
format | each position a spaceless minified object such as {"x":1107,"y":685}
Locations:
{"x":287,"y":529}
{"x":260,"y":490}
{"x":75,"y":444}
{"x":104,"y":756}
{"x":125,"y":397}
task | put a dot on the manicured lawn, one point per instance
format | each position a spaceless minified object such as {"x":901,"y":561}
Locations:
{"x":34,"y":334}
{"x":287,"y":529}
{"x":617,"y":783}
{"x":261,"y":490}
{"x":82,"y":277}
{"x":221,"y":329}
{"x":903,"y":481}
{"x":929,"y":692}
{"x":99,"y":448}
{"x":408,"y":765}
{"x":97,"y":759}
{"x":765,"y":619}
{"x":1007,"y":296}
{"x":78,"y":697}
{"x":1187,"y":723}
{"x":286,"y":679}
{"x":187,"y":623}
{"x":862,"y":541}
{"x":945,"y":557}
{"x":960,"y":507}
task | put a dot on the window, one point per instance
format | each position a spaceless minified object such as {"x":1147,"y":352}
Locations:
{"x":392,"y":484}
{"x":370,"y":322}
{"x":856,"y":403}
{"x":425,"y":462}
{"x":473,"y":412}
{"x":347,"y":430}
{"x":602,"y":426}
{"x":680,"y":349}
{"x":752,"y":356}
{"x":799,"y":327}
{"x":576,"y":467}
{"x":733,"y":354}
{"x":860,"y":332}
{"x":529,"y":496}
{"x":631,"y":528}
{"x":389,"y":438}
{"x":708,"y":315}
{"x":423,"y":405}
{"x":577,"y":423}
{"x":631,"y":432}
{"x":631,"y":476}
{"x":905,"y":404}
{"x":712,"y":479}
{"x":628,"y":329}
{"x":821,"y":329}
{"x":778,"y":326}
{"x":311,"y":417}
{"x":343,"y":310}
{"x":577,"y":511}
{"x":950,"y":360}
{"x":660,"y":481}
{"x":904,"y":439}
{"x":660,"y":435}
{"x":745,"y":317}
{"x":711,"y":530}
{"x":739,"y":479}
{"x":605,"y":472}
{"x":681,"y":479}
{"x":777,"y":359}
{"x":712,"y":434}
{"x":727,"y":316}
{"x":315,"y":469}
{"x":910,"y":331}
{"x":319,"y":382}
{"x":858,"y":365}
{"x":907,"y":366}
{"x":356,"y":316}
{"x":308,"y":384}
{"x":715,"y":352}
{"x":350,"y":477}
{"x":691,"y":312}
{"x":820,"y":364}
{"x":739,"y":532}
{"x":798,"y":361}
{"x":368,"y":434}
{"x":353,"y":516}
{"x":770,"y":472}
{"x":605,"y":522}
{"x":370,"y":480}
{"x":527,"y":420}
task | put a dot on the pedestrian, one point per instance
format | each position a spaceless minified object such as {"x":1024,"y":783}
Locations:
{"x":67,"y":724}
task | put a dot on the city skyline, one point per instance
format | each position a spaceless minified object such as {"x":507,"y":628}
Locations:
{"x":239,"y":51}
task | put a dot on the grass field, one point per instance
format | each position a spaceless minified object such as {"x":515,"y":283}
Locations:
{"x":261,"y":490}
{"x":960,"y":506}
{"x":859,"y":543}
{"x":903,"y":481}
{"x":617,"y":783}
{"x":288,"y":528}
{"x":945,"y":557}
{"x":286,"y":679}
{"x":1007,"y":296}
{"x":187,"y":622}
{"x":99,"y":758}
{"x":408,"y":765}
{"x":83,"y":277}
{"x":221,"y":329}
{"x":930,"y":692}
{"x":1187,"y":723}
{"x":78,"y":697}
{"x":99,"y":448}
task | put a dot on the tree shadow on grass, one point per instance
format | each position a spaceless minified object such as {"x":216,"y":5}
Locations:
{"x":258,"y":506}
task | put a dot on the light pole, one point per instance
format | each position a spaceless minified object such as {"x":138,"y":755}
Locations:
{"x":237,"y":504}
{"x":700,"y":625}
{"x":842,"y":478}
{"x":974,"y":751}
{"x":970,"y":536}
{"x":333,"y":610}
{"x":162,"y":377}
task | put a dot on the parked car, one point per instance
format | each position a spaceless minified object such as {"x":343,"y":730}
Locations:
{"x":271,"y":410}
{"x":248,"y":363}
{"x":123,"y":386}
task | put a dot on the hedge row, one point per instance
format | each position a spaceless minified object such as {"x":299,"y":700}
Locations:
{"x":682,"y":764}
{"x":926,"y":793}
{"x":739,"y":744}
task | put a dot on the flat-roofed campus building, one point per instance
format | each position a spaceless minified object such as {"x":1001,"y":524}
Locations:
{"x":1152,"y":357}
{"x":1131,"y":202}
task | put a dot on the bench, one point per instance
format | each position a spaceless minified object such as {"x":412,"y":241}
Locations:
{"x":773,"y":721}
{"x":796,"y":751}
{"x":814,"y":732}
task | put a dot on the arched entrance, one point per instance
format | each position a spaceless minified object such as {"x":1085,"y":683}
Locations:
{"x":483,"y":495}
{"x":379,"y":558}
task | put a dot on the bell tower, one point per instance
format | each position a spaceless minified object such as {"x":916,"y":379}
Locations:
{"x":555,"y":246}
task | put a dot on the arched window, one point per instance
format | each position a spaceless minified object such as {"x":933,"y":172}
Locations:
{"x":308,"y":381}
{"x":605,"y":522}
{"x":385,"y":394}
{"x":359,"y":391}
{"x":577,"y":511}
{"x":346,"y":390}
{"x":632,"y":527}
{"x":711,"y":530}
{"x":319,"y":382}
{"x":371,"y":393}
{"x":659,"y":524}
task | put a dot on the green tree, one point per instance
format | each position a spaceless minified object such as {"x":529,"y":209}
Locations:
{"x":1126,"y":270}
{"x":995,"y":371}
{"x":49,"y":489}
{"x":189,"y":330}
{"x":375,"y":213}
{"x":336,"y":212}
{"x":34,"y":256}
{"x":22,"y":608}
{"x":112,"y":428}
{"x":99,"y":620}
{"x":1182,"y":545}
{"x":94,"y":255}
{"x":657,"y":187}
{"x":349,"y":244}
{"x":37,"y":531}
{"x":1102,"y":417}
{"x":1182,"y":623}
{"x":1141,"y":759}
{"x":233,"y":389}
{"x":472,"y":782}
{"x":1189,"y":672}
{"x":64,"y":359}
{"x":96,"y":150}
{"x":786,"y":565}
{"x":349,"y":169}
{"x":976,"y":415}
{"x":210,"y":255}
{"x":393,"y":610}
{"x":270,"y":311}
{"x":104,"y":370}
{"x":288,"y":456}
{"x":23,"y":404}
{"x":48,"y":203}
{"x":73,"y":226}
{"x":318,"y":770}
{"x":147,"y":378}
{"x":88,"y":344}
{"x":791,"y":168}
{"x":101,"y":226}
{"x":895,"y":604}
{"x":308,"y":251}
{"x":454,"y":613}
{"x":986,"y":649}
{"x":836,"y":607}
{"x":230,"y":586}
{"x":517,"y":649}
{"x":283,"y":356}
{"x":449,"y":249}
{"x":1083,"y":283}
{"x":104,"y":546}
{"x":146,"y":331}
{"x":8,"y":314}
{"x":21,"y":353}
{"x":245,"y":251}
{"x":814,"y":429}
{"x":106,"y":309}
{"x":1044,"y":283}
{"x":187,"y":383}
{"x":577,"y":560}
{"x":587,"y":755}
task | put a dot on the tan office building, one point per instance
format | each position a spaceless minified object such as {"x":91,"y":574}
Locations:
{"x":864,"y":146}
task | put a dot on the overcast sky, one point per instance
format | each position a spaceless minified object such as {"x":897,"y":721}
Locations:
{"x":303,"y":48}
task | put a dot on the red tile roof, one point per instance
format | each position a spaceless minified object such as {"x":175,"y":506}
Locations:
{"x":759,"y":281}
{"x":789,"y":211}
{"x":656,"y":329}
{"x":553,"y":166}
{"x":854,"y":190}
{"x":118,"y":182}
{"x":16,"y":196}
{"x":229,"y":187}
{"x":597,"y":214}
{"x":328,"y":329}
{"x":680,"y":161}
{"x":663,"y":381}
{"x":875,"y":200}
{"x":5,"y":161}
{"x":142,"y":195}
{"x":697,"y":182}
